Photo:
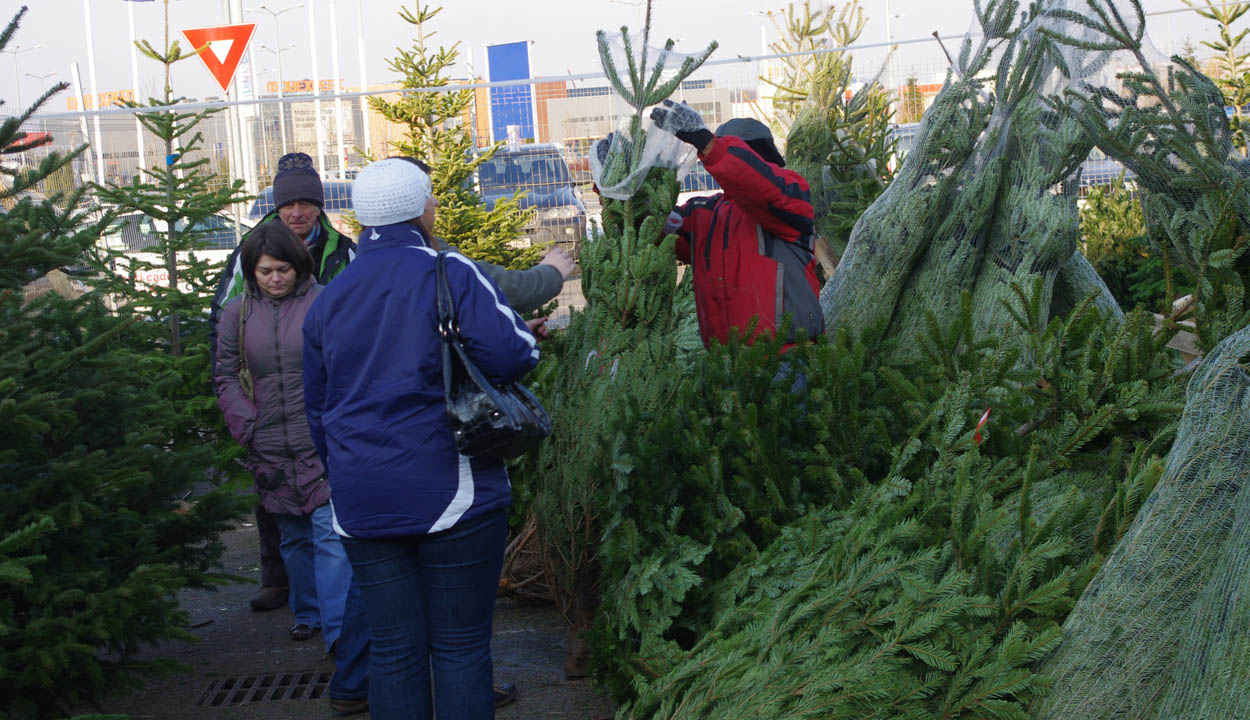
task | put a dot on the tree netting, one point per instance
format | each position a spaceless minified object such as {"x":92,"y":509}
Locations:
{"x":1163,"y":631}
{"x":621,"y":162}
{"x":987,"y":197}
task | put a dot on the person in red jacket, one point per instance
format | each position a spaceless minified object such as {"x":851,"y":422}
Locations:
{"x":750,"y":247}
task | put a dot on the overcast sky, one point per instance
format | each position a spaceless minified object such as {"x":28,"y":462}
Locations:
{"x":561,"y":31}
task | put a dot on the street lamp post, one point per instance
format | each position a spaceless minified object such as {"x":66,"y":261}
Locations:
{"x":17,"y":75}
{"x":277,"y":32}
{"x":281,"y":105}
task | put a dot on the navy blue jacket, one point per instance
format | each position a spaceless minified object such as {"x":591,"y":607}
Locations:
{"x":373,"y":387}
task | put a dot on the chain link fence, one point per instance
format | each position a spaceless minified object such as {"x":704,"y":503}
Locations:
{"x":546,"y":126}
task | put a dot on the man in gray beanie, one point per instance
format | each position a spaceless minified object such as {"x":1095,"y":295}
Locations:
{"x":298,"y":199}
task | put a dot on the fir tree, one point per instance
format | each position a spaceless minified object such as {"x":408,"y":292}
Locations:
{"x":96,"y":541}
{"x":1168,"y":127}
{"x":177,"y":195}
{"x":624,"y":347}
{"x":843,"y":146}
{"x":932,"y":584}
{"x":438,"y":132}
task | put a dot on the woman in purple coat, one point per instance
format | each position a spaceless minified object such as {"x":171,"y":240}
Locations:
{"x":260,"y":389}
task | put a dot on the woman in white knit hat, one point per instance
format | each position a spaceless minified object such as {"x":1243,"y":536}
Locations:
{"x":424,"y":527}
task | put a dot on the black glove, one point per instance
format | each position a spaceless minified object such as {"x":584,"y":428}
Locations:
{"x":683,"y":121}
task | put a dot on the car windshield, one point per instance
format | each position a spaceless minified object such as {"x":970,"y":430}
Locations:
{"x":523,"y":171}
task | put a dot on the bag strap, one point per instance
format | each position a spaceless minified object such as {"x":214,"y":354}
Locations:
{"x":447,"y":322}
{"x":449,"y":329}
{"x":245,"y":373}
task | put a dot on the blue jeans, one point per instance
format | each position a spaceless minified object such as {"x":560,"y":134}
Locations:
{"x":351,"y":654}
{"x":317,"y":569}
{"x":430,"y":603}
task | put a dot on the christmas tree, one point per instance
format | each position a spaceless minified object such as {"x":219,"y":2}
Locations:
{"x":625,"y":345}
{"x":97,"y":539}
{"x":438,"y":125}
{"x":177,"y":196}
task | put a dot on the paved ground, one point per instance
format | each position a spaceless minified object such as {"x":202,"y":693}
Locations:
{"x":237,"y":644}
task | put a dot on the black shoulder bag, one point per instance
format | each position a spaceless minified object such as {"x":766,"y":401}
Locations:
{"x":495,"y":421}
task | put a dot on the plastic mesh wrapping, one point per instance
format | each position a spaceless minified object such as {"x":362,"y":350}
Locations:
{"x":987,"y":197}
{"x":1163,"y":631}
{"x":643,"y":76}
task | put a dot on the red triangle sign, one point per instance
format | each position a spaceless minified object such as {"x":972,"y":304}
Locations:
{"x":221,"y":61}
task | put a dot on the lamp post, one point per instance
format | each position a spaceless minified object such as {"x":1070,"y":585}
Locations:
{"x":281,"y":105}
{"x":17,"y":76}
{"x":638,"y":6}
{"x":277,"y":32}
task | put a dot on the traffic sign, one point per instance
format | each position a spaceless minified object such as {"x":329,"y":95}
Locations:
{"x":226,"y":45}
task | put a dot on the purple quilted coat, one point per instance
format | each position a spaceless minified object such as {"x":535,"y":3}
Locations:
{"x":280,"y":453}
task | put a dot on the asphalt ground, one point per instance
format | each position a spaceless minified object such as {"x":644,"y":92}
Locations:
{"x":245,"y":665}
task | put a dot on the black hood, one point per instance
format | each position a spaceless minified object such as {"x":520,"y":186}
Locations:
{"x":756,"y":134}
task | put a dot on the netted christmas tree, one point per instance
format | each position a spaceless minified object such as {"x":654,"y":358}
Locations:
{"x":438,"y":132}
{"x":986,"y":198}
{"x":97,"y":540}
{"x":1161,"y":631}
{"x":1166,"y":122}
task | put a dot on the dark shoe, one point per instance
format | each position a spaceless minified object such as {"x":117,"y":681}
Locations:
{"x":269,"y":598}
{"x":303,"y":632}
{"x":342,"y":706}
{"x":504,"y":694}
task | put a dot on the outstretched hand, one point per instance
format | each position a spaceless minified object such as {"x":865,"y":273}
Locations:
{"x":683,"y":121}
{"x":538,"y":326}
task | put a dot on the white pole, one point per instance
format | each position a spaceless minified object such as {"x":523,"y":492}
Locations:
{"x":242,"y":115}
{"x":889,"y":37}
{"x":312,"y":44}
{"x":338,"y":101}
{"x":95,"y":92}
{"x":134,"y":81}
{"x":76,"y":77}
{"x":364,"y":83}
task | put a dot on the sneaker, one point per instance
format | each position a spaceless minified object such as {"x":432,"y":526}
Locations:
{"x":504,"y":694}
{"x":345,"y":706}
{"x":269,"y":598}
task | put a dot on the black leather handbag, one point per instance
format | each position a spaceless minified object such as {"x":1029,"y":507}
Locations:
{"x":495,"y":421}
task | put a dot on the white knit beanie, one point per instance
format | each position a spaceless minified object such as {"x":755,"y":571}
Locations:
{"x":389,"y":191}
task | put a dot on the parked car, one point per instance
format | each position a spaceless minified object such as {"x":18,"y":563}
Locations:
{"x":135,"y":235}
{"x":541,"y":172}
{"x":338,"y":200}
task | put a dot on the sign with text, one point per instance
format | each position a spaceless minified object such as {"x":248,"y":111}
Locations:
{"x":226,"y":45}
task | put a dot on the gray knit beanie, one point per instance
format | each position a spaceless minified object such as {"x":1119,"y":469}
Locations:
{"x":297,"y":179}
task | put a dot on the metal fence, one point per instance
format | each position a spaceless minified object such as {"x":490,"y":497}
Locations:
{"x":547,"y":126}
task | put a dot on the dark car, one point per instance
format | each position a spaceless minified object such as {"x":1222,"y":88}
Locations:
{"x":541,"y":172}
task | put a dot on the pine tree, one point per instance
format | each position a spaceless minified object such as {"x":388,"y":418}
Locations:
{"x":177,"y":195}
{"x":841,"y":141}
{"x":624,"y":347}
{"x":932,"y":584}
{"x":96,"y":540}
{"x":438,"y":133}
{"x":1169,"y":128}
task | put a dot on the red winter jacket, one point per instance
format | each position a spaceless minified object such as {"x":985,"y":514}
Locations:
{"x":751,"y":247}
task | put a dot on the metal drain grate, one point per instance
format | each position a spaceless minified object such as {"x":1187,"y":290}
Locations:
{"x":308,"y":685}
